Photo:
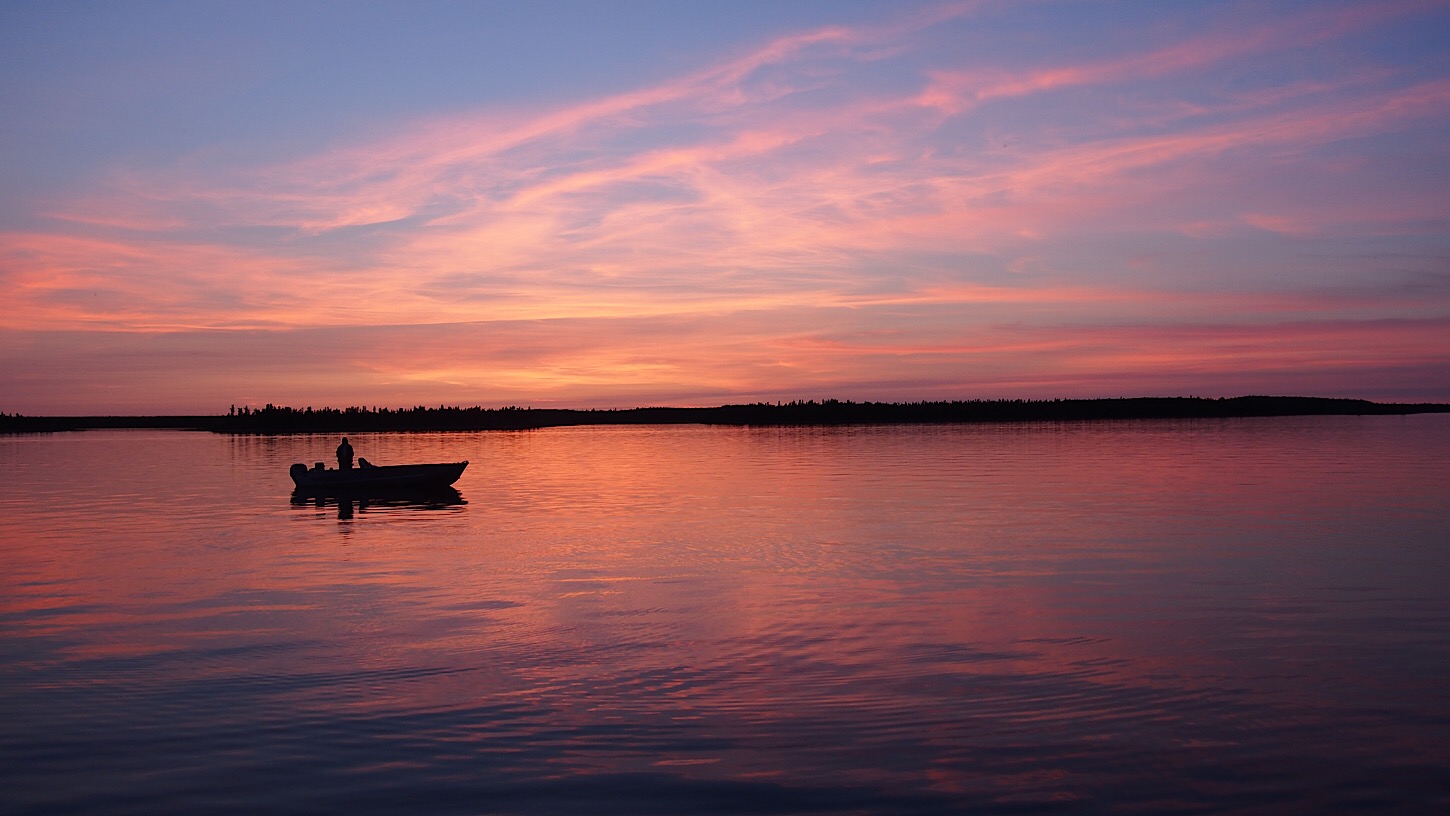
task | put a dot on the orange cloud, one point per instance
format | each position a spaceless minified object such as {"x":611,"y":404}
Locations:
{"x":828,"y":227}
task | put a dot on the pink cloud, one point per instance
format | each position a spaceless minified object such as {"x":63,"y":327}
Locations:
{"x":954,"y":92}
{"x":715,"y":234}
{"x":767,"y":181}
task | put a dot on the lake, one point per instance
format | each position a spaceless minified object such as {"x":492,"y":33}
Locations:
{"x":1210,"y":616}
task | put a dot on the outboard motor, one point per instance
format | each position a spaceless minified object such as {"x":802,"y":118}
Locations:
{"x":297,"y":470}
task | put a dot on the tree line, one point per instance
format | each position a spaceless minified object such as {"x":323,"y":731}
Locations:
{"x":282,"y":419}
{"x":275,"y":419}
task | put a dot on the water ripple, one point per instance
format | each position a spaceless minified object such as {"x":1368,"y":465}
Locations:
{"x":1152,"y":617}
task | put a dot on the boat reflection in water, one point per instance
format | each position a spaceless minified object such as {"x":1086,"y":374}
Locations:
{"x":423,"y":487}
{"x":399,"y":499}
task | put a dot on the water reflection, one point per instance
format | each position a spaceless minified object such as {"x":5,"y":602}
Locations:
{"x":1190,"y":617}
{"x":348,"y":506}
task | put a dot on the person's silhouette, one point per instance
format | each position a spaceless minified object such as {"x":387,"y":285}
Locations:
{"x":344,"y":455}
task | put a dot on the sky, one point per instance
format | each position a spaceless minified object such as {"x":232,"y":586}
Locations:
{"x":621,"y":204}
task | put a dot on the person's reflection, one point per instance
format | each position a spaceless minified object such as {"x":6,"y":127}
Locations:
{"x":344,"y":509}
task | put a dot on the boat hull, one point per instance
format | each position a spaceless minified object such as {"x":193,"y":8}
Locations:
{"x":376,"y":479}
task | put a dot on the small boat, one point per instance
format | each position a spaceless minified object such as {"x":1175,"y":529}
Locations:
{"x":375,"y":479}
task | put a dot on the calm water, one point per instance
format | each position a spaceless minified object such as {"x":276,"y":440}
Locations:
{"x":1213,"y":616}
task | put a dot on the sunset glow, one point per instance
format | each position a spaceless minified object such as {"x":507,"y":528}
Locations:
{"x":213,"y":205}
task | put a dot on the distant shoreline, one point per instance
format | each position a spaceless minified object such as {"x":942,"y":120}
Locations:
{"x":285,"y":420}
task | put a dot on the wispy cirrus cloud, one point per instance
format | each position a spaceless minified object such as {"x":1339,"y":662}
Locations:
{"x":883,"y":174}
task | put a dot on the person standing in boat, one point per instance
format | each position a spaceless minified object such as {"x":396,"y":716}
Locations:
{"x":344,"y":455}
